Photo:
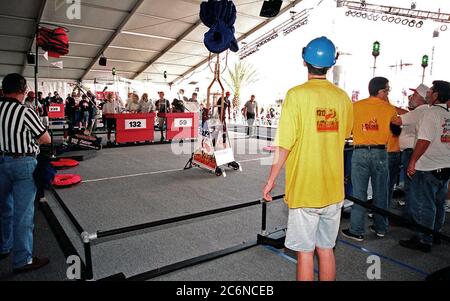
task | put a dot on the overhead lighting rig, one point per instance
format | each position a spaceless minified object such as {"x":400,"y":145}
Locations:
{"x":296,"y":21}
{"x":404,"y":16}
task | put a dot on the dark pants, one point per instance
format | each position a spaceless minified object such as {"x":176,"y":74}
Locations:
{"x":394,"y":171}
{"x":17,"y":194}
{"x":250,"y":122}
{"x":428,"y":202}
{"x":406,"y":156}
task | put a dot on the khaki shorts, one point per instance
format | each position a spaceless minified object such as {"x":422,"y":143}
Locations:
{"x":309,"y":228}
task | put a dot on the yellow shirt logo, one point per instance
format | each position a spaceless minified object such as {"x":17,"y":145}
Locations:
{"x":327,"y":120}
{"x":372,"y":125}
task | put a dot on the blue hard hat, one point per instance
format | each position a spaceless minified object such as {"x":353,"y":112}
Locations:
{"x":320,"y":52}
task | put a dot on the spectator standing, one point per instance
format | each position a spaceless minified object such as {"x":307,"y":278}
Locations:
{"x":316,"y":119}
{"x":251,"y":113}
{"x":21,"y":133}
{"x":371,"y":133}
{"x":429,"y":168}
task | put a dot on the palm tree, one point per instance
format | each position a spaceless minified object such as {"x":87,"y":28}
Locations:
{"x":239,"y":76}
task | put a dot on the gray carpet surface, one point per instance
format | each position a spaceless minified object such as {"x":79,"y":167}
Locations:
{"x":111,"y":198}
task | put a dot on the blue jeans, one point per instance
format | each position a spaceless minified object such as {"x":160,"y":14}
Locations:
{"x":369,"y":164}
{"x":394,"y":171}
{"x":406,"y":156}
{"x":428,"y":203}
{"x":17,"y":194}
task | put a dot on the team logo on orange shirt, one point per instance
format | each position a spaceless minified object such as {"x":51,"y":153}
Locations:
{"x":445,"y":137}
{"x":327,"y":120}
{"x":372,"y":125}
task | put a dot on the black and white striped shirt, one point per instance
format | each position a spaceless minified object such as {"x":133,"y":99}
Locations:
{"x":20,"y":127}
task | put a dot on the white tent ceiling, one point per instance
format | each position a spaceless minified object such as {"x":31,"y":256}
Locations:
{"x":140,"y":38}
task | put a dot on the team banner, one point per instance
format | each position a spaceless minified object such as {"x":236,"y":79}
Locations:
{"x":85,"y":141}
{"x":214,"y":147}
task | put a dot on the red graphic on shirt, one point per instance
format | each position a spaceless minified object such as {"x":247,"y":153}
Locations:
{"x":327,"y":120}
{"x":445,"y":137}
{"x":372,"y":125}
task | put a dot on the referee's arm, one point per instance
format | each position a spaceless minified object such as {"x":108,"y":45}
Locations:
{"x":44,"y":139}
{"x":37,"y":129}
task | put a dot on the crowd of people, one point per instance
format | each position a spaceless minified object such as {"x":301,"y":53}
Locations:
{"x":316,"y":121}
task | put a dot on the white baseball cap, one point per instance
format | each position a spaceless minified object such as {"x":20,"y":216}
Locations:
{"x":421,"y":90}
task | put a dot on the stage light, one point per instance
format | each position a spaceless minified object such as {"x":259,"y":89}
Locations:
{"x":425,"y":61}
{"x":31,"y":58}
{"x":376,"y":49}
{"x":271,"y":8}
{"x":102,"y":61}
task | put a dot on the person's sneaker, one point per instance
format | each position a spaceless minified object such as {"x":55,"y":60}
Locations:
{"x":414,"y":244}
{"x":4,"y":256}
{"x":370,"y":215}
{"x":348,"y":234}
{"x":37,"y":263}
{"x":401,"y":203}
{"x":372,"y":228}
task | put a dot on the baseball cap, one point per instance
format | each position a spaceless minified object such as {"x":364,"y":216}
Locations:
{"x":421,"y":90}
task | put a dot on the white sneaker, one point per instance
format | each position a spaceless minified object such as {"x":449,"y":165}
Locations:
{"x":447,"y":206}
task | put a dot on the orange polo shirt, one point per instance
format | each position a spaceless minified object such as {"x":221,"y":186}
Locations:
{"x":372,"y":117}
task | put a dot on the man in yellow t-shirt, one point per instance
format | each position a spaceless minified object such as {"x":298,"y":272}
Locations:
{"x":316,"y":118}
{"x":371,"y":134}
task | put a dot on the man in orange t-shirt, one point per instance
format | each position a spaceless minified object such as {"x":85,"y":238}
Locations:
{"x":371,"y":134}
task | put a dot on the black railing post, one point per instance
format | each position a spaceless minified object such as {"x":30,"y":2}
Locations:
{"x":88,"y":254}
{"x":264,"y":218}
{"x":86,"y":238}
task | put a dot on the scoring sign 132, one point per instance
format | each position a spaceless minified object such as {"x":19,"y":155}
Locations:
{"x":135,"y":124}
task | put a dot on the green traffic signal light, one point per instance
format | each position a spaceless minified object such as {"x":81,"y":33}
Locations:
{"x":376,"y":48}
{"x":425,"y":61}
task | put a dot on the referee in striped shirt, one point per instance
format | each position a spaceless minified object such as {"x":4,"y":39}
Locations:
{"x":21,"y":132}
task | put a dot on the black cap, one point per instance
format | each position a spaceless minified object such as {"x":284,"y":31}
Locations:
{"x":376,"y":84}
